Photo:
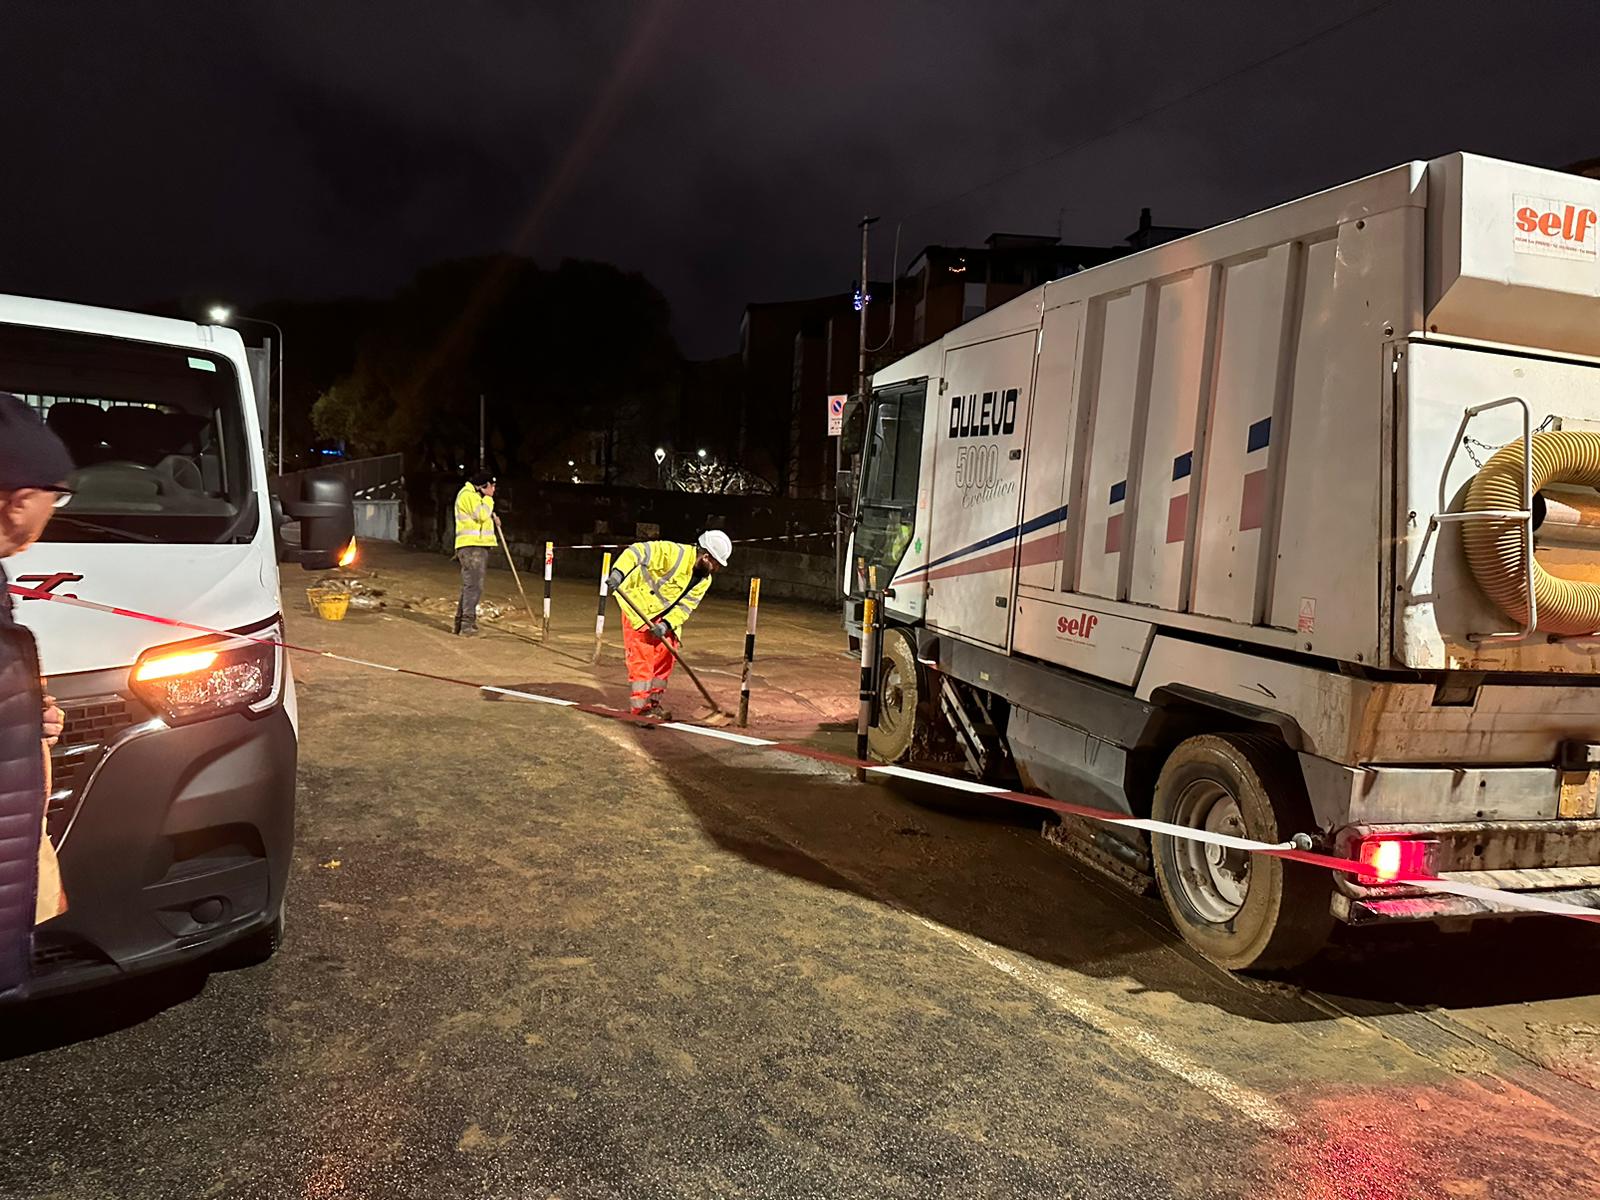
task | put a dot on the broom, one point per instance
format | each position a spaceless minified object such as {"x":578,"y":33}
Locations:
{"x":718,"y":716}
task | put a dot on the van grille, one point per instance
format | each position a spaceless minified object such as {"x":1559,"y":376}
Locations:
{"x":92,"y":724}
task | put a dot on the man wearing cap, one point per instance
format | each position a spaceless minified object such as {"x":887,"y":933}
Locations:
{"x":657,"y":586}
{"x":34,"y":469}
{"x":476,"y":523}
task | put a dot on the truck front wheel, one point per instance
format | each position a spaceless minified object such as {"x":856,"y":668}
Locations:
{"x":900,"y":698}
{"x":1240,"y":910}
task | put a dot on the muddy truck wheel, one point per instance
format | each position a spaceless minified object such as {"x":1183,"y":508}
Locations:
{"x":1243,"y":911}
{"x":900,"y":698}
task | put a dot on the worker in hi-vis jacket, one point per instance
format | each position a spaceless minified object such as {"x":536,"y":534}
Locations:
{"x":657,"y":585}
{"x":476,"y":523}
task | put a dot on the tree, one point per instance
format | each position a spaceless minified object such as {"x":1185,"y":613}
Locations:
{"x":584,"y":347}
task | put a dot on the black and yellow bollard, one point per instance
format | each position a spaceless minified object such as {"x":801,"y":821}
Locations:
{"x":749,"y":653}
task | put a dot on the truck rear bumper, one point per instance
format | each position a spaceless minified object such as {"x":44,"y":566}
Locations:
{"x":1557,"y":860}
{"x":1425,"y":907}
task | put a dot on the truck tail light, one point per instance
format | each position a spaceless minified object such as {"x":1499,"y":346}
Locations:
{"x":190,"y":681}
{"x":1391,"y":859}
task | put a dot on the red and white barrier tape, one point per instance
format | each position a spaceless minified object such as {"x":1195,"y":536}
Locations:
{"x":777,"y":537}
{"x":1517,"y":901}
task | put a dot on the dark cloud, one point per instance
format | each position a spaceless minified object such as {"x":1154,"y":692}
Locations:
{"x":726,"y":149}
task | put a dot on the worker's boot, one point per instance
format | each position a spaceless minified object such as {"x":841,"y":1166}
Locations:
{"x":656,"y":712}
{"x":468,"y":631}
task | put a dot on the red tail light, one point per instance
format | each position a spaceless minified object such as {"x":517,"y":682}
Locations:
{"x":1391,"y":859}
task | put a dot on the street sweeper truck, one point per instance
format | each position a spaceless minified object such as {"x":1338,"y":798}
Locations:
{"x":1287,"y":528}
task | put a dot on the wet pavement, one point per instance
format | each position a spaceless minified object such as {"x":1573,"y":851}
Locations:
{"x":534,"y":953}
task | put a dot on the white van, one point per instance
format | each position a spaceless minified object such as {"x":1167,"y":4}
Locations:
{"x":172,"y":802}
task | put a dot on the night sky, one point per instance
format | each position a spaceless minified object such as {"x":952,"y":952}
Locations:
{"x":725,"y":148}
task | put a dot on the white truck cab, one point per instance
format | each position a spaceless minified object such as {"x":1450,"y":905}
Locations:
{"x":172,"y":798}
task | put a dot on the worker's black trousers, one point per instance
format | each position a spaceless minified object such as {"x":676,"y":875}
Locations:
{"x":474,"y":566}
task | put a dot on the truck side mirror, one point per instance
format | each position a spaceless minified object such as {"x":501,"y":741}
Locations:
{"x":327,"y":521}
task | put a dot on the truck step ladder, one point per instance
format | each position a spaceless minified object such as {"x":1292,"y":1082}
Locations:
{"x":968,"y":715}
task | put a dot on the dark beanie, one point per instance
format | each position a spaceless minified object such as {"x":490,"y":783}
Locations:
{"x":30,"y":454}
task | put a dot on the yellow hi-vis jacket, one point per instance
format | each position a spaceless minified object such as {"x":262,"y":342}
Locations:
{"x":658,"y":577}
{"x":474,"y":518}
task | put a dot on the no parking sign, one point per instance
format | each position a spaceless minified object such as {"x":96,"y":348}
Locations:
{"x":836,"y":415}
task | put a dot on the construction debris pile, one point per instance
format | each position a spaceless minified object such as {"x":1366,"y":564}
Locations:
{"x":369,"y":595}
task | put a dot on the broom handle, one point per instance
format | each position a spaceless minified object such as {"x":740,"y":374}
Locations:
{"x":676,"y":657}
{"x":512,"y":563}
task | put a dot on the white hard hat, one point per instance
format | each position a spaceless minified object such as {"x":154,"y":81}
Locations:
{"x":718,"y":545}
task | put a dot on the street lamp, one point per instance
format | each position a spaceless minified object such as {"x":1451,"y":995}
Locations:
{"x":221,"y":314}
{"x":701,"y":453}
{"x":661,"y":456}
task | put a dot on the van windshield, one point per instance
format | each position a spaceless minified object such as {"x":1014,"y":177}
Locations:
{"x":157,"y":433}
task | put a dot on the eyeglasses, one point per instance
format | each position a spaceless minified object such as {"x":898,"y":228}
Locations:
{"x":63,"y":496}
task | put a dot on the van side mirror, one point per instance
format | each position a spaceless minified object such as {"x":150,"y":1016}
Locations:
{"x":322,"y":508}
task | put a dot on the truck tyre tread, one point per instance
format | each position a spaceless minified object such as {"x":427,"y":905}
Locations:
{"x":1286,"y":918}
{"x":891,"y":745}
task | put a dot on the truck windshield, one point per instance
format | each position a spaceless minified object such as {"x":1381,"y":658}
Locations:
{"x":887,"y":509}
{"x":157,"y":433}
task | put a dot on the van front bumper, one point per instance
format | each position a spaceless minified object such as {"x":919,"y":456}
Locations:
{"x":178,"y":844}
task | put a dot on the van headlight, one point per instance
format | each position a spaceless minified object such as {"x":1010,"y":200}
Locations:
{"x":190,"y":681}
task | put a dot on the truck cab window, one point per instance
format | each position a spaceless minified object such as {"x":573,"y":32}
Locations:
{"x":157,"y":434}
{"x":886,"y":512}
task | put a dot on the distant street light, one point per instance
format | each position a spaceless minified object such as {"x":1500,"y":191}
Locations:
{"x":661,"y":456}
{"x":701,"y":453}
{"x":221,"y":314}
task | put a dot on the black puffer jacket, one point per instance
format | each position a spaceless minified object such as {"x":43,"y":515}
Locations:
{"x":21,"y":793}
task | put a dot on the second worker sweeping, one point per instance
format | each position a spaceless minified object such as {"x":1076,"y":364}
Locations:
{"x":665,"y":582}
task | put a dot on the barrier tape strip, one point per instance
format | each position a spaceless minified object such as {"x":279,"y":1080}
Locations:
{"x":777,"y":537}
{"x":1495,"y":898}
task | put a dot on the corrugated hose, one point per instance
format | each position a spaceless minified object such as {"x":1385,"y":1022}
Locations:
{"x":1496,"y":550}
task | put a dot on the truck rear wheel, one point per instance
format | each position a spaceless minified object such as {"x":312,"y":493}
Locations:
{"x":900,"y":698}
{"x":1241,"y":910}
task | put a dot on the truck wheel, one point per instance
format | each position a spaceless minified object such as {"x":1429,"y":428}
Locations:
{"x":1240,"y":910}
{"x":899,"y":697}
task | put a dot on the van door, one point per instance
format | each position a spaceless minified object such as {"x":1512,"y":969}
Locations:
{"x":981,"y":422}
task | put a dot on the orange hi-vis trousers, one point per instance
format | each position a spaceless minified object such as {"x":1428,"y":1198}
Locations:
{"x":649,"y":666}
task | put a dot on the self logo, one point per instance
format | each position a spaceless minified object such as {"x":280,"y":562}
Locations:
{"x":1555,"y":228}
{"x":1572,"y":222}
{"x":1079,"y":627}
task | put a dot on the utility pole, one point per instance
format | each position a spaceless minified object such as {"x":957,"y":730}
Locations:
{"x":861,"y":341}
{"x":861,"y":392}
{"x":481,"y":461}
{"x":283,"y":398}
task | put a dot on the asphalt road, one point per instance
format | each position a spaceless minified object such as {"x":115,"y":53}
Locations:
{"x":535,"y":953}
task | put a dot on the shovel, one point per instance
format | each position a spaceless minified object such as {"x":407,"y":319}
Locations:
{"x":718,"y":716}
